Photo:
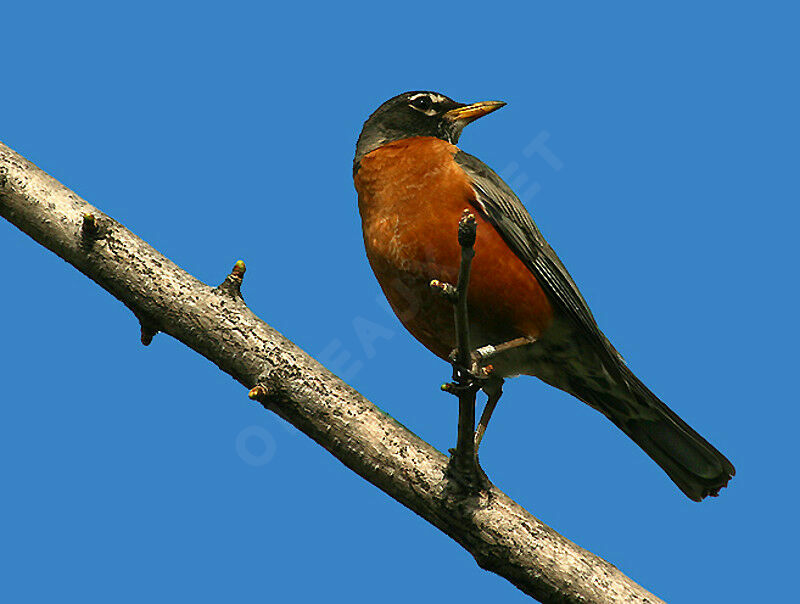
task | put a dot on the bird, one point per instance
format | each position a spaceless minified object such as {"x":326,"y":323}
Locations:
{"x":413,"y":183}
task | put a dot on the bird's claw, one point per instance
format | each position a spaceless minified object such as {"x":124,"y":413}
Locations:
{"x":470,"y":379}
{"x":464,"y":381}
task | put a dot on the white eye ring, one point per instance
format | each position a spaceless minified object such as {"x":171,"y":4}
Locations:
{"x":423,"y":107}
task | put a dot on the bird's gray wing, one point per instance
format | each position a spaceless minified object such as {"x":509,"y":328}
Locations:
{"x":503,"y":209}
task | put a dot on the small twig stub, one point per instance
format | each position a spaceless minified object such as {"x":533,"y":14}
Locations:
{"x":148,"y":331}
{"x":91,"y":228}
{"x":232,"y":285}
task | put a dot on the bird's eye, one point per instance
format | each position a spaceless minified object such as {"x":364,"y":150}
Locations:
{"x":423,"y":103}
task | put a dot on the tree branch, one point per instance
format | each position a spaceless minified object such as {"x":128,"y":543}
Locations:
{"x":465,"y":384}
{"x":215,"y":322}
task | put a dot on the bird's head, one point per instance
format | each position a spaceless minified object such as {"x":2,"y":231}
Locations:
{"x":419,"y":113}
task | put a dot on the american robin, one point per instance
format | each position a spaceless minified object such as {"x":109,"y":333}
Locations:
{"x":413,"y":184}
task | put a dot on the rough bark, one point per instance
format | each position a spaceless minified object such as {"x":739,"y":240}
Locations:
{"x":214,"y":321}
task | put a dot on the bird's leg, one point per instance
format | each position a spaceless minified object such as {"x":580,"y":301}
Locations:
{"x":485,"y":353}
{"x":493,"y":387}
{"x":494,"y":390}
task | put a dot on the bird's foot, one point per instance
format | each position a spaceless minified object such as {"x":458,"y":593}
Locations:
{"x":479,"y":369}
{"x":464,"y":382}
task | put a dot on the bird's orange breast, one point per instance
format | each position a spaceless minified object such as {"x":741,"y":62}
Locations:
{"x":411,"y":194}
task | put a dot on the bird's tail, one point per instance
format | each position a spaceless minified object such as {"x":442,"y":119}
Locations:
{"x":689,"y":459}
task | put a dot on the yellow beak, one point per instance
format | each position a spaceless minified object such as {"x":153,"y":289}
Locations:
{"x":472,"y":112}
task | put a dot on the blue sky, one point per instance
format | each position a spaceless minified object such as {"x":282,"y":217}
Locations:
{"x":225,"y":132}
